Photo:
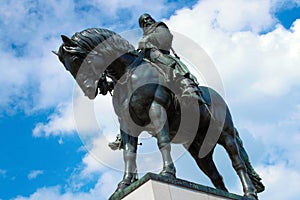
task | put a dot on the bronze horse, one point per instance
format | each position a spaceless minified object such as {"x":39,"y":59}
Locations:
{"x":144,"y":101}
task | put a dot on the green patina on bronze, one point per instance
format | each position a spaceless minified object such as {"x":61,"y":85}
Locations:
{"x":177,"y":182}
{"x":143,"y":95}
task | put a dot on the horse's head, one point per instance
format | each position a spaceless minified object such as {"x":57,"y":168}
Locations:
{"x":74,"y":59}
{"x":87,"y":55}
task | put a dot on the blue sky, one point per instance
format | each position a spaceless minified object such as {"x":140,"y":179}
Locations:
{"x":40,"y":150}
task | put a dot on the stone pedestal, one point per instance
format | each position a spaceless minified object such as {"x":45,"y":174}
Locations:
{"x":156,"y":187}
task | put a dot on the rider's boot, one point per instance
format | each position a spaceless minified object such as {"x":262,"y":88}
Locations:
{"x":169,"y":171}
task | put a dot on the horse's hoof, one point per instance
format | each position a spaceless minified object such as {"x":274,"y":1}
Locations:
{"x":169,"y":171}
{"x":122,"y":185}
{"x":168,"y":175}
{"x":252,"y":195}
{"x":125,"y":183}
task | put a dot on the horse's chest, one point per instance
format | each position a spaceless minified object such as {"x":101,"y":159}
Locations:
{"x":143,"y":75}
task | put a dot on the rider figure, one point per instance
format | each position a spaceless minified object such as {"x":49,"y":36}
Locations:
{"x":156,"y":44}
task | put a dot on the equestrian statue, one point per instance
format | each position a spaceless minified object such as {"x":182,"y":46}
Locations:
{"x":153,"y":91}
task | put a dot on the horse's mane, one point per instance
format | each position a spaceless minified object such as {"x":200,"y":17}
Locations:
{"x":103,"y":41}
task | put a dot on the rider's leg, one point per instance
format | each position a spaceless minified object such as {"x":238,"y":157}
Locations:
{"x":188,"y":86}
{"x":189,"y":89}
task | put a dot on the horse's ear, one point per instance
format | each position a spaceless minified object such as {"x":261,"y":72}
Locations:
{"x":67,"y":41}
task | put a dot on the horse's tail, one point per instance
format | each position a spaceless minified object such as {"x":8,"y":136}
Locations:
{"x":256,"y":180}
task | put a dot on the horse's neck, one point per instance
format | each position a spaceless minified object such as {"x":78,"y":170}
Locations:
{"x":120,"y":66}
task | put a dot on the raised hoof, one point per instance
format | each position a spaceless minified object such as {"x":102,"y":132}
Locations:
{"x":116,"y":145}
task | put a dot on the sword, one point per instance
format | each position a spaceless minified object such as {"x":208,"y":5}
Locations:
{"x":207,"y":108}
{"x":175,"y":54}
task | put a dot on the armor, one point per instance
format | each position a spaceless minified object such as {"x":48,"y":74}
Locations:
{"x":157,"y":43}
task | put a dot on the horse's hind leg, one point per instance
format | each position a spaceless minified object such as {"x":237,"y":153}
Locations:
{"x":228,"y":141}
{"x":208,"y":166}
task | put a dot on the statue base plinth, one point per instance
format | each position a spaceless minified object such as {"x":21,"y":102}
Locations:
{"x":156,"y":187}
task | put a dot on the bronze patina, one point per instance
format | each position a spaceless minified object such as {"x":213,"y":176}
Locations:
{"x":146,"y":99}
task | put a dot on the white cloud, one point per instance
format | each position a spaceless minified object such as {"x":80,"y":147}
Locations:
{"x":32,"y":78}
{"x":59,"y":123}
{"x":238,"y":15}
{"x":34,"y":174}
{"x":278,"y":177}
{"x":269,"y":61}
{"x":281,"y":139}
{"x":87,"y":118}
{"x":43,"y":193}
{"x":102,"y":190}
{"x":259,"y":72}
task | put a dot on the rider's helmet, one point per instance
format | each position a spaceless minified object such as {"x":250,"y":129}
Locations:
{"x":146,"y":20}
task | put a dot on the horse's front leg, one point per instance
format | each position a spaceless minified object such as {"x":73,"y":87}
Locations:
{"x":163,"y":142}
{"x":129,"y":145}
{"x":160,"y":129}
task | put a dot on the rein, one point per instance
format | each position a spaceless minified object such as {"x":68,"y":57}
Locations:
{"x":106,"y":86}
